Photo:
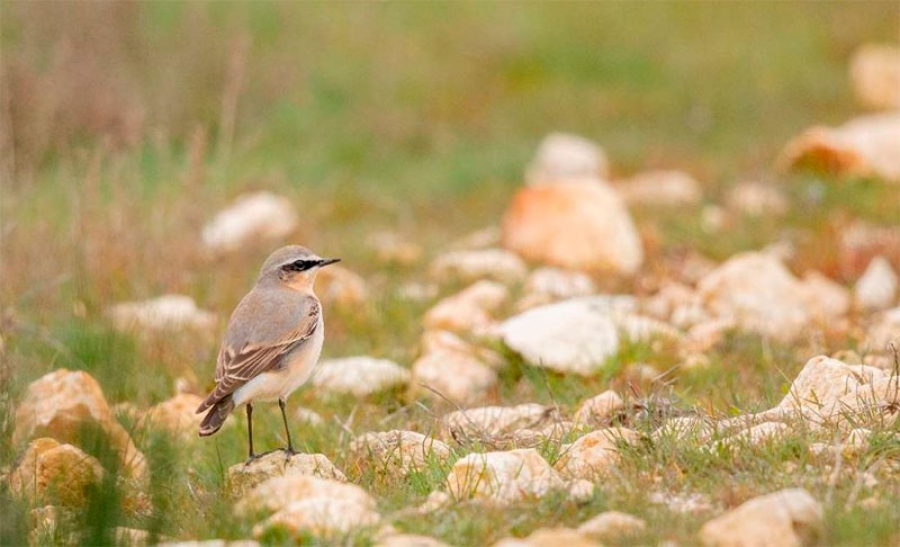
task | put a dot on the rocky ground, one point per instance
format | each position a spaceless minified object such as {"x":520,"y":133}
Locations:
{"x":571,"y":377}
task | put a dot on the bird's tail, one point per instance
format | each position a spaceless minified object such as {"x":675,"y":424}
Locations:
{"x":216,"y":416}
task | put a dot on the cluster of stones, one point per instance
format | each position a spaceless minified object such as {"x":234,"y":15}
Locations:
{"x":574,"y":223}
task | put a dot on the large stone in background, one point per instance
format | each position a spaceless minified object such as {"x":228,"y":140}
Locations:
{"x":577,"y":224}
{"x":359,"y":376}
{"x":759,"y":293}
{"x":867,"y":146}
{"x":168,"y":313}
{"x":574,"y":336}
{"x":261,"y":216}
{"x":63,"y":404}
{"x":787,"y":518}
{"x":562,"y":156}
{"x":875,"y":74}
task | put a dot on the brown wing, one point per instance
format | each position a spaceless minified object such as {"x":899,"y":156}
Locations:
{"x":243,"y":359}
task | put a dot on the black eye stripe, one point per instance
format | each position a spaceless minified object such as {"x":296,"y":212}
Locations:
{"x":299,"y":265}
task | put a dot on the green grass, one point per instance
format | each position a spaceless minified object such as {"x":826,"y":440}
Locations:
{"x":417,"y":119}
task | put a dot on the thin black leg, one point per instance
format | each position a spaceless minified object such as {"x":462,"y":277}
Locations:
{"x":290,"y":446}
{"x":250,"y":429}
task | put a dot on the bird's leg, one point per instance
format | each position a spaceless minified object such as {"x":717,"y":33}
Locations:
{"x":290,"y":445}
{"x":250,"y":431}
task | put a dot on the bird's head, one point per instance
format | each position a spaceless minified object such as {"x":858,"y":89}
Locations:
{"x":294,"y":266}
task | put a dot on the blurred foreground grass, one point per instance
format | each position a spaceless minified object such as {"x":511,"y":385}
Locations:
{"x":128,"y":125}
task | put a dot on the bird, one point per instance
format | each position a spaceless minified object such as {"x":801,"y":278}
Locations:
{"x":272,"y":342}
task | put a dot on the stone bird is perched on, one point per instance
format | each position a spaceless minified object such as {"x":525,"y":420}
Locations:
{"x":272,"y":342}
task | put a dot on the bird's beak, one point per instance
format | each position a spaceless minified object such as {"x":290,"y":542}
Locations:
{"x":327,"y":261}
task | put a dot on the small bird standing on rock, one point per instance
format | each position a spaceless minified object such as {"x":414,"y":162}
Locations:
{"x":272,"y":342}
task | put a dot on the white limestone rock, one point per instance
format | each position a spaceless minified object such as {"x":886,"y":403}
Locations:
{"x":574,"y":336}
{"x":261,"y":216}
{"x":359,"y":376}
{"x":563,"y":156}
{"x":759,"y":293}
{"x":167,"y":313}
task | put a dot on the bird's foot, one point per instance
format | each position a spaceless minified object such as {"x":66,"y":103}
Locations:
{"x":289,"y":452}
{"x":254,"y":457}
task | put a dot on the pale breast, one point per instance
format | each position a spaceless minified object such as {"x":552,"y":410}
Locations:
{"x":299,"y":367}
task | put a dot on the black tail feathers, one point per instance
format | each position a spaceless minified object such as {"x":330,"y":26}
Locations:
{"x":216,"y":416}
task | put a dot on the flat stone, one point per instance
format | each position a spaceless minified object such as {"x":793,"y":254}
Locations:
{"x":574,"y":336}
{"x":167,"y":313}
{"x":563,"y":156}
{"x":787,"y":518}
{"x":359,"y":376}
